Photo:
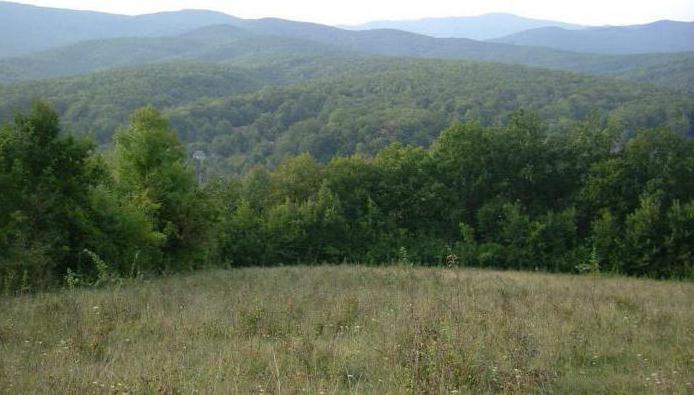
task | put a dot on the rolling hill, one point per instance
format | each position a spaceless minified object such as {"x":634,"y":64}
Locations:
{"x":98,"y":103}
{"x":257,"y":114}
{"x":658,"y":37}
{"x":209,"y":44}
{"x":26,"y":29}
{"x":275,"y":38}
{"x":482,"y":27}
{"x":78,"y":42}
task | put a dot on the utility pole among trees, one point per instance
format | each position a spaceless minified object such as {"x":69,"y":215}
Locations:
{"x":199,"y":157}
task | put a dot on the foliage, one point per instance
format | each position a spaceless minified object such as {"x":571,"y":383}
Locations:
{"x":151,"y":173}
{"x":506,"y":196}
{"x":340,"y":106}
{"x":66,"y":212}
{"x":410,"y":102}
{"x":45,"y":180}
{"x":513,"y":196}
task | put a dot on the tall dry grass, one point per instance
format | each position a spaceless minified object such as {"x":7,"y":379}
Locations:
{"x":351,"y":329}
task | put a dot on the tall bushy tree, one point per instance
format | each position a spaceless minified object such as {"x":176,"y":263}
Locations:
{"x":151,"y":173}
{"x":45,"y":179}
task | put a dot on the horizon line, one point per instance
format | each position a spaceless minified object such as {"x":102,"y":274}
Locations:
{"x":343,"y":25}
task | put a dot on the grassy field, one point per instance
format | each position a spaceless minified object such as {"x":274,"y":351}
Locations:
{"x":349,"y":329}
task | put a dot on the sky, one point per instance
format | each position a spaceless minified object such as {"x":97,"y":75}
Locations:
{"x":586,"y":12}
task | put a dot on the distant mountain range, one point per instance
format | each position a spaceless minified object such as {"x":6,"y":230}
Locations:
{"x":251,"y":40}
{"x":25,"y":29}
{"x":658,"y":37}
{"x":209,"y":44}
{"x":483,"y":27}
{"x":29,"y":29}
{"x":175,"y":36}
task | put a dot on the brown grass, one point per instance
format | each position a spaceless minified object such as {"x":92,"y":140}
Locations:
{"x":351,"y":329}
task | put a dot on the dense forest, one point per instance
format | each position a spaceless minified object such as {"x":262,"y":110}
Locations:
{"x":510,"y":195}
{"x":333,"y":106}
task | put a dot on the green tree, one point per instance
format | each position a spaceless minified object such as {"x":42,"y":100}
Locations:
{"x":680,"y":239}
{"x":45,"y":180}
{"x":151,"y":173}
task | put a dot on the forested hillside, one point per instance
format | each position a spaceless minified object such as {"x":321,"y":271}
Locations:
{"x":344,"y":107}
{"x":212,"y":44}
{"x":271,"y":38}
{"x":97,"y":104}
{"x":410,"y":103}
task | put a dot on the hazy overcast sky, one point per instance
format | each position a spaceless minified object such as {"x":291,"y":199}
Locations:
{"x":591,"y":12}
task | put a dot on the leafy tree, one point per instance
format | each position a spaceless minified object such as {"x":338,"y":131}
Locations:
{"x":45,"y":180}
{"x":607,"y":241}
{"x":680,"y":239}
{"x":151,"y":173}
{"x":644,"y":231}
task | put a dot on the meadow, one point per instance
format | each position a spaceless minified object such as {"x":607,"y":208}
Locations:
{"x":353,"y":329}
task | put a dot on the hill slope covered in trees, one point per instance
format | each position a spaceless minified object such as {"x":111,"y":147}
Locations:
{"x":343,"y":106}
{"x":211,"y":44}
{"x":268,"y":38}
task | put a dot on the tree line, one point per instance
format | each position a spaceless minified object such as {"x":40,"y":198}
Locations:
{"x":509,"y":196}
